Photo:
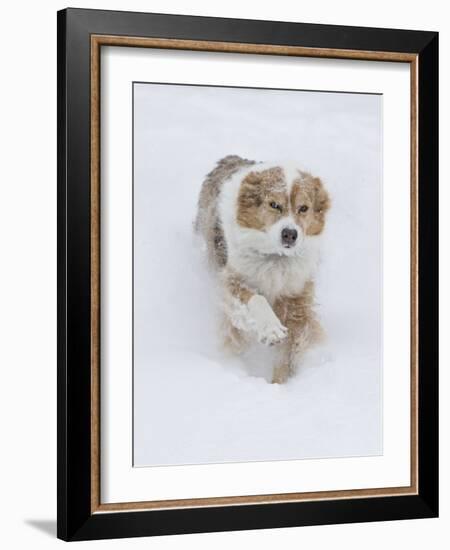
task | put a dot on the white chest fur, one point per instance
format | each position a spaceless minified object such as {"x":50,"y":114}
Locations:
{"x":274,"y":276}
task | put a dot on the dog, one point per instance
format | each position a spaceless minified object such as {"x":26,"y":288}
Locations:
{"x":262,"y":225}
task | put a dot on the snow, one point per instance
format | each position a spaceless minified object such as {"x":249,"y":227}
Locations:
{"x":192,"y":403}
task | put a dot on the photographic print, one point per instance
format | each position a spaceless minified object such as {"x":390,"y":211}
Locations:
{"x":257,"y":274}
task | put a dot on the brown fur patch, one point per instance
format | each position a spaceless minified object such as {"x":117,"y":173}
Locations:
{"x":258,"y":190}
{"x":309,"y":191}
{"x":295,"y":311}
{"x":237,"y":287}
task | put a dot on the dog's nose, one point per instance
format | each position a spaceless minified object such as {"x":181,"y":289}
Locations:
{"x":288,"y":236}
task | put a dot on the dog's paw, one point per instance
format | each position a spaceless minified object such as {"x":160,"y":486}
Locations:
{"x":271,"y":334}
{"x":267,"y":326}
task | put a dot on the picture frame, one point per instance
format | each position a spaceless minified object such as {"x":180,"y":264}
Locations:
{"x":81,"y":36}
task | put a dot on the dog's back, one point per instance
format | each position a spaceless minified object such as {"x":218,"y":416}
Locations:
{"x":208,"y":222}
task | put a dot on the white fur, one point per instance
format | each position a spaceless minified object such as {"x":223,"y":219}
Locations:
{"x":268,"y":328}
{"x":291,"y":173}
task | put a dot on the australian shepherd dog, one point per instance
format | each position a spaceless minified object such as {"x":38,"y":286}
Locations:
{"x":262,"y":224}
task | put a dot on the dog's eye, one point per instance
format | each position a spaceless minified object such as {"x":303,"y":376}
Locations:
{"x":276,"y":206}
{"x":303,"y":208}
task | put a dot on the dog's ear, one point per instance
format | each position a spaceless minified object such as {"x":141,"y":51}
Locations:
{"x":321,"y":201}
{"x":250,"y":199}
{"x":251,"y":192}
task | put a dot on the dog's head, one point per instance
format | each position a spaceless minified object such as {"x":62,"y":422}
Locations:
{"x":280,"y":209}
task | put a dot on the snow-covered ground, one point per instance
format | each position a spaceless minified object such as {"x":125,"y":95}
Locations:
{"x":193,"y":404}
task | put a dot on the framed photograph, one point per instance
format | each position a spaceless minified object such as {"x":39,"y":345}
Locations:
{"x":247,"y":257}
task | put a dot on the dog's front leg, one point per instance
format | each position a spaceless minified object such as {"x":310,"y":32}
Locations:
{"x":251,"y":312}
{"x":300,"y":339}
{"x":297,"y":314}
{"x":283,"y":367}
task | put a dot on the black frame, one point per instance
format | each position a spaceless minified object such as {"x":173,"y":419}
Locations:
{"x":75,"y":521}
